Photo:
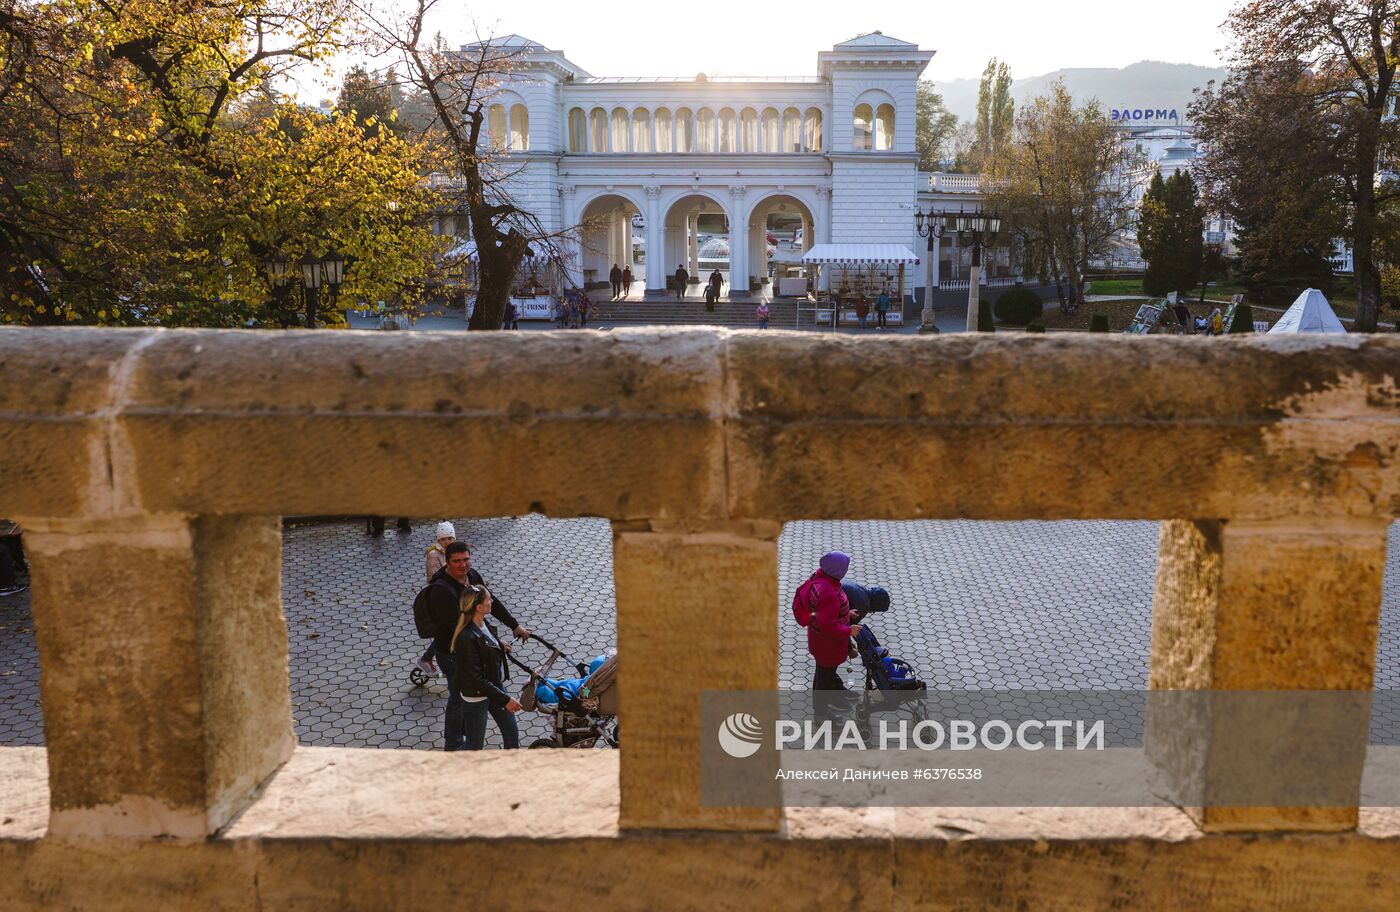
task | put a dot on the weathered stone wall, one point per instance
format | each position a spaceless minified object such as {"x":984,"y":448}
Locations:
{"x":158,"y":461}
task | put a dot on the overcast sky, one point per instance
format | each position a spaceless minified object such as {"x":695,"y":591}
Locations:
{"x":776,"y":38}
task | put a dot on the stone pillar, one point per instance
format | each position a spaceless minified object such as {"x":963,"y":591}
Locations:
{"x":656,"y":252}
{"x":667,"y":614}
{"x":1290,"y":605}
{"x":738,"y":242}
{"x":758,"y":251}
{"x":823,"y":230}
{"x":163,"y":655}
{"x":692,"y":244}
{"x":937,"y":259}
{"x":574,"y":243}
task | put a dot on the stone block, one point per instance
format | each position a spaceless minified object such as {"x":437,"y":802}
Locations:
{"x":694,"y":613}
{"x":1279,"y":606}
{"x":163,"y":670}
{"x":478,"y":424}
{"x":1003,"y":428}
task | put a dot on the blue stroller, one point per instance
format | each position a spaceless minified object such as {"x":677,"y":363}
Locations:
{"x":891,"y":683}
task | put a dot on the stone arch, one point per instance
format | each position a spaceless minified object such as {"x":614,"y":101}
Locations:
{"x":641,"y":130}
{"x":682,"y":237}
{"x":577,"y":129}
{"x":770,"y":130}
{"x":873,"y":121}
{"x":800,"y":208}
{"x":598,"y":130}
{"x":605,"y":219}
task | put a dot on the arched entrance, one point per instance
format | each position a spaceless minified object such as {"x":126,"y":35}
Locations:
{"x":697,"y":237}
{"x":781,"y":229}
{"x":611,"y":232}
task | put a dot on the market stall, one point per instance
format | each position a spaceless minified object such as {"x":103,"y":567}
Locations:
{"x":853,"y":272}
{"x":532,"y":295}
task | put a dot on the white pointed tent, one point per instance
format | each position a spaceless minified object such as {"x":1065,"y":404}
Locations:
{"x":1309,"y":314}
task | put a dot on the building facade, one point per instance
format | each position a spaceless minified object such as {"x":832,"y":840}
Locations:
{"x":834,"y":152}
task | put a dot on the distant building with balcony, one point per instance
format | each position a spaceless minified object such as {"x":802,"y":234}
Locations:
{"x":829,"y":156}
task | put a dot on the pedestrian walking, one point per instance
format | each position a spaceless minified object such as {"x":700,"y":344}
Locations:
{"x":682,"y":281}
{"x":717,"y":283}
{"x":479,"y":662}
{"x":436,"y":559}
{"x":710,"y":294}
{"x":584,"y":306}
{"x":821,"y":606}
{"x":626,"y":281}
{"x":882,"y":308}
{"x":512,"y":320}
{"x":444,"y":609}
{"x":762,"y":313}
{"x":615,"y":278}
{"x":862,"y":311}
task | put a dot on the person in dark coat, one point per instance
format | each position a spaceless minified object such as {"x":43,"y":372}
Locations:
{"x":447,"y":586}
{"x":479,"y":678}
{"x":615,"y":277}
{"x":626,"y":281}
{"x":682,"y":280}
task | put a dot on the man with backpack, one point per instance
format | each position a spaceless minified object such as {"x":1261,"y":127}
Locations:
{"x":821,"y":606}
{"x":437,"y":603}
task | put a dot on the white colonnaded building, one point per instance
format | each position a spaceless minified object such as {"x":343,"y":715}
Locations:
{"x":661,"y":164}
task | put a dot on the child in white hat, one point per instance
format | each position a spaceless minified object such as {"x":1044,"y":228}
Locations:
{"x":437,"y":559}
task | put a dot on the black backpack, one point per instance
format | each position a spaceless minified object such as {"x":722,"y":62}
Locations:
{"x":422,"y":615}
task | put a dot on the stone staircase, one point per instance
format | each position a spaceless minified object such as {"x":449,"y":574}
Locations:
{"x":670,"y":311}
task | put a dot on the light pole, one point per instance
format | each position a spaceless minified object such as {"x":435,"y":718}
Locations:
{"x":977,"y":224}
{"x":326,"y":271}
{"x":929,"y":226}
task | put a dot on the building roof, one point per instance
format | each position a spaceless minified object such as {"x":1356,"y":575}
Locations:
{"x":873,"y":40}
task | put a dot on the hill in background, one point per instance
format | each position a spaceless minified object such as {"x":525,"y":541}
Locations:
{"x":1147,"y":84}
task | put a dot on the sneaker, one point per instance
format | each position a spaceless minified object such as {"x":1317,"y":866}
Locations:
{"x":427,"y":667}
{"x":12,"y":590}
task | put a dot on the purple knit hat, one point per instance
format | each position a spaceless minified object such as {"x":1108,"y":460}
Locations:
{"x":835,"y":563}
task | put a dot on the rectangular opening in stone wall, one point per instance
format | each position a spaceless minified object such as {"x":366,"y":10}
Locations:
{"x":21,"y":717}
{"x":988,"y":605}
{"x":348,"y":598}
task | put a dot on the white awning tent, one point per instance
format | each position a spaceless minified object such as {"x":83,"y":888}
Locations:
{"x":859,"y":255}
{"x":1309,"y":314}
{"x":467,"y":251}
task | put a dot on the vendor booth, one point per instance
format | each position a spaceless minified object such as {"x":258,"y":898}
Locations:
{"x":533,"y":294}
{"x":852,"y":272}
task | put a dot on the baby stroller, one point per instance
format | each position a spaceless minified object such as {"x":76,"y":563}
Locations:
{"x":891,"y":684}
{"x":584,"y":709}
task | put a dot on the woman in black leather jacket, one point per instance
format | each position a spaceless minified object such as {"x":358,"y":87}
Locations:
{"x":481,"y":671}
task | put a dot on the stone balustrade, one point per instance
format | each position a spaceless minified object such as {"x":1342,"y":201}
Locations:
{"x":149,"y":469}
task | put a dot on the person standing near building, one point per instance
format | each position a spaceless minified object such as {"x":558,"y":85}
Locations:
{"x":626,"y":281}
{"x":615,"y":277}
{"x":882,"y":307}
{"x":584,"y":305}
{"x":862,"y":311}
{"x":447,"y":587}
{"x":682,"y":280}
{"x":717,"y":283}
{"x":762,"y":313}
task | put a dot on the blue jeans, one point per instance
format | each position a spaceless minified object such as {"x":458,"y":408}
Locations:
{"x":475,"y":714}
{"x":454,"y":725}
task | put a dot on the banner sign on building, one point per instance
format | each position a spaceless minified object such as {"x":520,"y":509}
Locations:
{"x":1138,"y":115}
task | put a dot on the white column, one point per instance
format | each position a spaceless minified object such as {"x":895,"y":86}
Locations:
{"x":656,"y":253}
{"x":738,"y":242}
{"x":692,"y":244}
{"x":574,"y":244}
{"x":823,"y":232}
{"x":758,"y":259}
{"x":937,"y":258}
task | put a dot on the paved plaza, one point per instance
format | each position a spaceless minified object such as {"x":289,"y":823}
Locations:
{"x":976,"y":605}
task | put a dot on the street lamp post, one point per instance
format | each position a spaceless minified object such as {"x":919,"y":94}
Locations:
{"x":977,"y":224}
{"x":328,"y":272}
{"x":929,"y":226}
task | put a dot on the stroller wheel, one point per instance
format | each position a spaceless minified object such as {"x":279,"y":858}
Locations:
{"x":544,"y":742}
{"x":418,"y":677}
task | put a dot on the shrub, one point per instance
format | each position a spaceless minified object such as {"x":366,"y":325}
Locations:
{"x":1018,"y":307}
{"x":1035,"y":327}
{"x":1244,"y":320}
{"x":1098,"y":323}
{"x":984,"y":317}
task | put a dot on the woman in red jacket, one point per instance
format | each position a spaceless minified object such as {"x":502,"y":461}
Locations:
{"x":822,"y":608}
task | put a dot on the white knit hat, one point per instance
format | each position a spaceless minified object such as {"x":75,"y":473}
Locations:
{"x":445,"y":530}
